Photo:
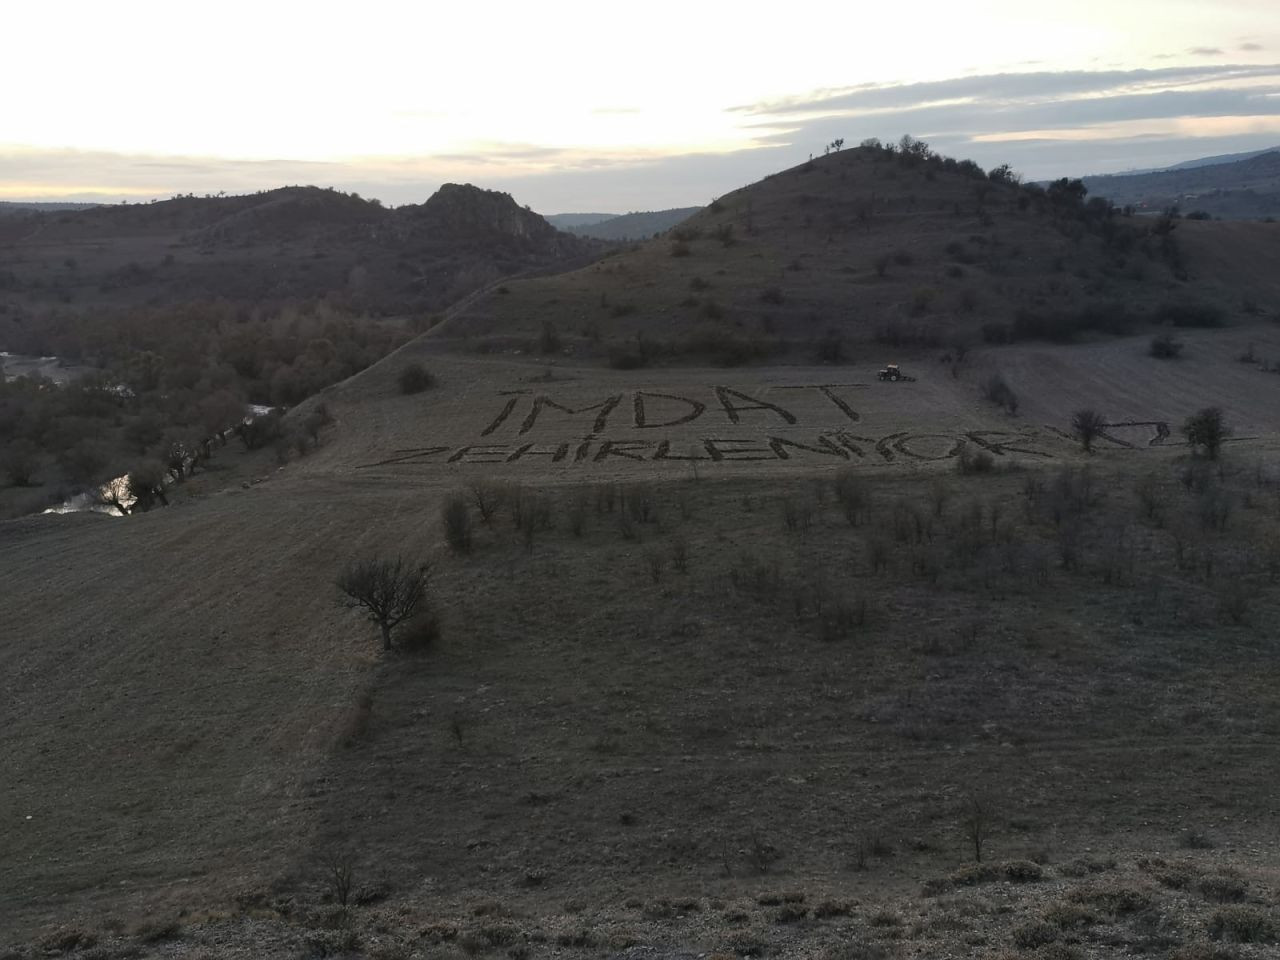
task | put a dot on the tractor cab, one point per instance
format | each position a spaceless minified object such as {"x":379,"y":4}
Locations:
{"x":891,"y":372}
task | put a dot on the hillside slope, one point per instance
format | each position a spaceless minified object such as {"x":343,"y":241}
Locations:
{"x":634,"y":226}
{"x":866,"y":244}
{"x":290,"y":243}
{"x":209,"y":736}
{"x":1241,"y":189}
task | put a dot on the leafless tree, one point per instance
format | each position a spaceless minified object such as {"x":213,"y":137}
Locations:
{"x":339,"y":874}
{"x":387,"y":590}
{"x":977,"y":824}
{"x":1087,"y":426}
{"x":488,"y":497}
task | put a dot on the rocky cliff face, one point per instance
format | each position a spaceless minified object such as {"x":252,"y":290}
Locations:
{"x":465,"y":210}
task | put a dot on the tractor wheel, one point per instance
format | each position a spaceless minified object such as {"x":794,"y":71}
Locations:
{"x":894,"y":378}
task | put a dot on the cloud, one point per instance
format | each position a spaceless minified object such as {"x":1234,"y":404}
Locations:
{"x":1251,"y":47}
{"x":1204,"y":51}
{"x":1005,"y":86}
{"x":1044,"y":123}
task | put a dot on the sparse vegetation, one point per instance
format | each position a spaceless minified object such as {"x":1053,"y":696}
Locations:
{"x":415,"y":378}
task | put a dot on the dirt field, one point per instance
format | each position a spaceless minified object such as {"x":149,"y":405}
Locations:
{"x":605,"y":749}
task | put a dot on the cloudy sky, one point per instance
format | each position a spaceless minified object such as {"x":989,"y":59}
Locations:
{"x":576,"y":106}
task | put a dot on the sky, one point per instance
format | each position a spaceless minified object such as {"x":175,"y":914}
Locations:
{"x":609,"y":107}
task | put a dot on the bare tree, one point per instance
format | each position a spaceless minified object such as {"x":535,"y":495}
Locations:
{"x":488,"y":497}
{"x":1088,"y":426}
{"x":977,"y":825}
{"x":457,"y":523}
{"x":387,"y":590}
{"x":339,"y":874}
{"x":115,"y":493}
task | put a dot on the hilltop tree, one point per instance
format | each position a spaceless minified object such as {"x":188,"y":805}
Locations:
{"x":1206,"y":429}
{"x":1087,"y":426}
{"x":387,"y":590}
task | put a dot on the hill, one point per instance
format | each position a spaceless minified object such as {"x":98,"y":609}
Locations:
{"x":634,"y":226}
{"x":290,"y":243}
{"x":1237,"y":189}
{"x":868,"y":246}
{"x":198,"y":306}
{"x":12,"y":207}
{"x":564,"y":221}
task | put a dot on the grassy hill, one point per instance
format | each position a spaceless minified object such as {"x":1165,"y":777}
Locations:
{"x":1239,"y":189}
{"x":290,"y":243}
{"x":735,"y":662}
{"x":634,"y":226}
{"x":867,"y":245}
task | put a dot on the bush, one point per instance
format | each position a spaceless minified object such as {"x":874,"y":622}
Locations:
{"x":1242,"y":925}
{"x":1206,"y":429}
{"x":1190,"y":315}
{"x":831,"y":348}
{"x":997,"y":390}
{"x":624,"y":358}
{"x":420,"y":632}
{"x":549,"y":338}
{"x":261,"y":431}
{"x":1222,"y":889}
{"x":974,"y":461}
{"x":457,"y":523}
{"x":1087,"y":425}
{"x":996,"y":333}
{"x":1037,"y":933}
{"x":415,"y":378}
{"x":1165,"y":347}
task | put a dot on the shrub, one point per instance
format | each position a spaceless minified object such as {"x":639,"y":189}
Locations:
{"x":549,"y":338}
{"x":420,"y":632}
{"x":1037,"y":933}
{"x":680,"y":249}
{"x":996,"y":333}
{"x":1242,"y":924}
{"x":457,"y":523}
{"x":1222,"y":889}
{"x":831,"y":348}
{"x":261,"y":431}
{"x":997,"y":390}
{"x":625,"y":358}
{"x":974,"y":461}
{"x":1206,"y":429}
{"x":1165,"y":347}
{"x":1192,"y":314}
{"x":19,"y":463}
{"x":415,"y":378}
{"x":853,"y":495}
{"x":1112,"y":898}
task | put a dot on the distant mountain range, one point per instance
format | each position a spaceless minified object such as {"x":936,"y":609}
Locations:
{"x":11,"y":206}
{"x":1233,"y":187}
{"x":627,"y":226}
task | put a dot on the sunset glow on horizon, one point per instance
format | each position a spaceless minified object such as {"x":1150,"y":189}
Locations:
{"x":570,"y":106}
